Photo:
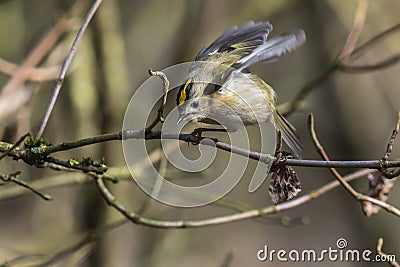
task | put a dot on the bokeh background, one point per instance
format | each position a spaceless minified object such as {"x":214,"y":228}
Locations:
{"x":354,"y":114}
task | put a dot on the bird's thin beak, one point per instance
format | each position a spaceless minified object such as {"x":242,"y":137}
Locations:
{"x":180,"y":118}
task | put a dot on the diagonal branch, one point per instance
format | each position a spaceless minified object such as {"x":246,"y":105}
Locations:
{"x":390,"y":258}
{"x":358,"y":24}
{"x":66,"y":65}
{"x":12,"y":177}
{"x":342,"y":62}
{"x":342,"y":181}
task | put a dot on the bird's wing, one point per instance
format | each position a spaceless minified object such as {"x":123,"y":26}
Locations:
{"x":272,"y":49}
{"x":239,"y":40}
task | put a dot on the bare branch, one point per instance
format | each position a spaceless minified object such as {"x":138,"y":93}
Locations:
{"x":14,"y":86}
{"x":255,"y":213}
{"x":160,"y":116}
{"x":28,"y":155}
{"x":66,"y":65}
{"x":343,"y":182}
{"x":362,"y":49}
{"x":358,"y":24}
{"x":381,"y":253}
{"x":19,"y":141}
{"x":342,"y":62}
{"x":68,"y":249}
{"x":12,"y":177}
{"x":32,"y":74}
{"x":369,"y":68}
{"x":395,"y":132}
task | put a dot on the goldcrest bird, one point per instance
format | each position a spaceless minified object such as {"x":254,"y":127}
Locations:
{"x":219,"y":87}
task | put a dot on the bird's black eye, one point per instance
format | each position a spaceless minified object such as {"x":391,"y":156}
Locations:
{"x":211,"y":88}
{"x":184,"y":91}
{"x":195,"y":104}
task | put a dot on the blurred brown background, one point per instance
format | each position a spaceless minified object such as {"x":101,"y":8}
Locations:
{"x":354,"y":113}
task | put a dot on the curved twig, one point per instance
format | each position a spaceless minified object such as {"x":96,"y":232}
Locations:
{"x":137,"y":219}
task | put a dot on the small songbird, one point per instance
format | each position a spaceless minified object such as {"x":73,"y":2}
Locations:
{"x":219,"y":86}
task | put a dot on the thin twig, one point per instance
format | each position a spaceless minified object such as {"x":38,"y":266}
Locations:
{"x":162,"y":169}
{"x":160,"y":115}
{"x":19,"y":141}
{"x":84,"y":142}
{"x":391,"y":173}
{"x":66,"y":65}
{"x":74,"y":246}
{"x":308,"y":88}
{"x":389,"y":146}
{"x":76,"y":166}
{"x":359,"y":51}
{"x":165,"y":84}
{"x":324,"y":156}
{"x":342,"y":181}
{"x":391,"y":258}
{"x":137,"y":219}
{"x":37,"y":54}
{"x":14,"y":86}
{"x":343,"y":65}
{"x":33,"y":74}
{"x":347,"y":50}
{"x":63,"y":180}
{"x":12,"y":177}
{"x":369,"y":68}
{"x":358,"y":24}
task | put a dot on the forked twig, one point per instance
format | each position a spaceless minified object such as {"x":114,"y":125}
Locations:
{"x":342,"y":181}
{"x":341,"y":63}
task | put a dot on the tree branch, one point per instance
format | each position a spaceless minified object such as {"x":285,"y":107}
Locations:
{"x":392,"y":261}
{"x":31,"y":155}
{"x":66,"y":65}
{"x":137,"y":219}
{"x":343,"y":182}
{"x":342,"y":62}
{"x":12,"y":177}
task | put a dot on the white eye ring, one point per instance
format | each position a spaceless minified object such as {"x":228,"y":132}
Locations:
{"x":221,"y":91}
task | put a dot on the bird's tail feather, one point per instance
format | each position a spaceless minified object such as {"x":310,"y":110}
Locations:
{"x":288,"y":134}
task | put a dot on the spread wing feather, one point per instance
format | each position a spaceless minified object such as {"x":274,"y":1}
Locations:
{"x":240,"y":40}
{"x":272,"y":49}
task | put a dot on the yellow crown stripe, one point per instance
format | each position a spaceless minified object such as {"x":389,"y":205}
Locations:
{"x":185,"y":92}
{"x":182,"y":97}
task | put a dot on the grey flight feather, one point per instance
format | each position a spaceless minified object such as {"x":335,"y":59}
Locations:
{"x":256,"y":49}
{"x":250,"y":33}
{"x":272,"y":49}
